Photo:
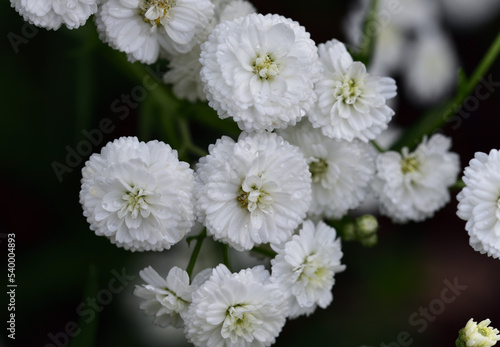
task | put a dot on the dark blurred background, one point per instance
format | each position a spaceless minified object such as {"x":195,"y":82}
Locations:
{"x":57,"y":84}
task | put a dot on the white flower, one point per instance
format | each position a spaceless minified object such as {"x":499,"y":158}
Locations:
{"x":467,"y":14}
{"x":351,"y":103}
{"x":254,"y":191}
{"x":260,"y":71}
{"x":409,"y":14}
{"x":236,"y":309}
{"x":430,"y":67}
{"x":341,"y":171}
{"x":478,"y":335}
{"x":305,"y":267}
{"x":387,"y":42}
{"x":479,"y":202}
{"x":165,"y":299}
{"x":50,"y":14}
{"x":184,"y":69}
{"x":144,"y":29}
{"x":138,"y":194}
{"x":184,"y":75}
{"x":413,"y":186}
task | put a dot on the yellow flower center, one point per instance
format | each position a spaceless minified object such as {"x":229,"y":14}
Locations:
{"x":409,"y":164}
{"x":265,"y":67}
{"x":348,"y":91}
{"x":154,"y":11}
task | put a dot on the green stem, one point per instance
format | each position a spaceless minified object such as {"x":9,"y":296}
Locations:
{"x":196,"y":252}
{"x":267,"y":252}
{"x":485,"y":65}
{"x":187,"y":142}
{"x":437,"y":117}
{"x":459,"y":184}
{"x":377,"y":146}
{"x":369,"y":35}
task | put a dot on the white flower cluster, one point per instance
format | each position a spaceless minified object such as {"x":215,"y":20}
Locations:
{"x":307,"y":114}
{"x":250,"y":307}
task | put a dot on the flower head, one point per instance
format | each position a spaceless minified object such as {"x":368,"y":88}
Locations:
{"x":430,"y":68}
{"x":50,"y":14}
{"x":351,"y":103}
{"x":138,"y":194}
{"x":165,"y":299}
{"x":184,"y":69}
{"x":305,"y":267}
{"x":260,"y":71}
{"x":477,"y":335}
{"x":236,"y":309}
{"x":479,"y":202}
{"x":254,"y":191}
{"x":341,"y":171}
{"x":144,"y":29}
{"x":413,"y":186}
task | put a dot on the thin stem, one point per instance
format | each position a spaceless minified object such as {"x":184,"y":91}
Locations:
{"x":377,"y":146}
{"x":267,"y":252}
{"x":437,"y":117}
{"x":370,"y":28}
{"x":485,"y":64}
{"x":187,"y":142}
{"x":196,"y":251}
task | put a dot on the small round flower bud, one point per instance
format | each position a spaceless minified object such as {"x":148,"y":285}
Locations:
{"x":366,"y":225}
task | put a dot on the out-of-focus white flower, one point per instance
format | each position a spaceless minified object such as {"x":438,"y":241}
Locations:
{"x":50,"y":14}
{"x":138,"y":194}
{"x":254,"y":191}
{"x":402,"y":16}
{"x":351,"y":103}
{"x":305,"y":268}
{"x":469,"y":13}
{"x":260,"y":71}
{"x":184,"y":69}
{"x":409,"y":14}
{"x":478,"y":335}
{"x":479,"y":202}
{"x":413,"y":186}
{"x":236,"y":309}
{"x":341,"y":171}
{"x":165,"y":299}
{"x":146,"y":29}
{"x":388,"y":51}
{"x":430,"y":67}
